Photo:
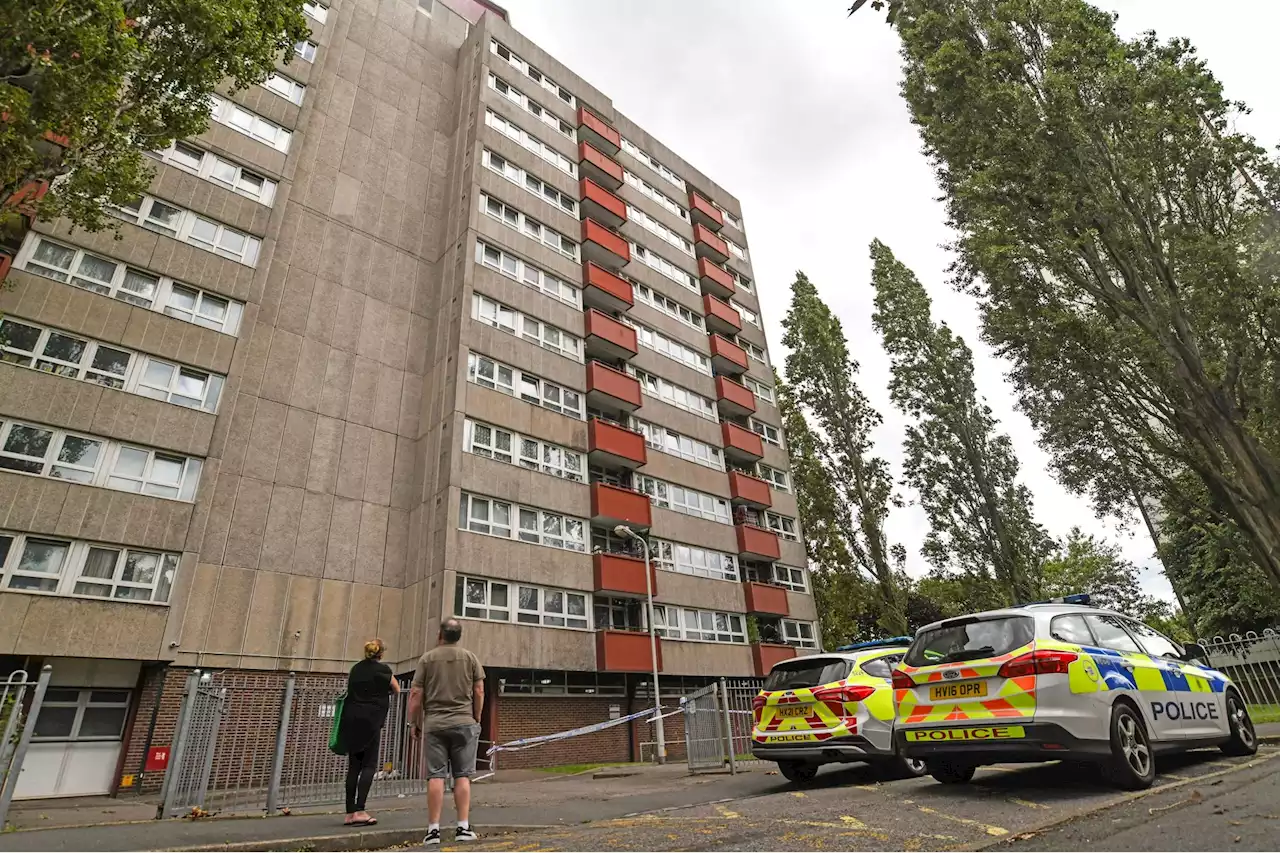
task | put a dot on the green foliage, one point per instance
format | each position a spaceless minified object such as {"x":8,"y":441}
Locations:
{"x":116,"y":78}
{"x":966,"y":473}
{"x":843,"y":491}
{"x":1120,"y":235}
{"x":1084,"y":563}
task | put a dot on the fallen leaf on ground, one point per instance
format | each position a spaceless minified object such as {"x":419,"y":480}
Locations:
{"x":1195,"y":797}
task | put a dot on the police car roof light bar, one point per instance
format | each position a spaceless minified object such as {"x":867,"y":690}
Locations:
{"x":872,"y":644}
{"x":1081,"y":598}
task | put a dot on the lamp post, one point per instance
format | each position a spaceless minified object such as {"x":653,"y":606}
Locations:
{"x":627,"y":533}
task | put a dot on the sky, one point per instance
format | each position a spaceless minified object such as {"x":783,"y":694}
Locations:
{"x":794,"y":108}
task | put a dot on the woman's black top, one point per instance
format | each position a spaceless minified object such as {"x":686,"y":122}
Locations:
{"x":368,"y":700}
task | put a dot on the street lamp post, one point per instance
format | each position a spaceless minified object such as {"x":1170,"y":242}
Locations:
{"x":627,"y":533}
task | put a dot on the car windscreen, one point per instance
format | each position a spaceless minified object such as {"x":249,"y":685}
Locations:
{"x":807,"y":672}
{"x":970,"y":639}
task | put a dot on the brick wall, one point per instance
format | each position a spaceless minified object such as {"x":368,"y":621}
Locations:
{"x":531,"y":716}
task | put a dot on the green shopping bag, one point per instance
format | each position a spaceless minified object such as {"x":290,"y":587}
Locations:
{"x":335,"y":742}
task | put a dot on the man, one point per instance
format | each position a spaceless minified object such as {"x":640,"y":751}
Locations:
{"x":448,"y":688}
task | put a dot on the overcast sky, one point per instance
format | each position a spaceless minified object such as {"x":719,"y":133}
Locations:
{"x":794,"y":108}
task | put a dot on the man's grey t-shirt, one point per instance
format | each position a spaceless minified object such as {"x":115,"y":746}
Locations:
{"x":447,"y":675}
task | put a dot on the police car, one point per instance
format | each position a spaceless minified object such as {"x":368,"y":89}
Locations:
{"x":831,"y":708}
{"x":1060,"y":680}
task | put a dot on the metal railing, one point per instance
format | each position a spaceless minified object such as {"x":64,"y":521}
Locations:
{"x":1252,"y":662}
{"x":19,"y":723}
{"x":717,"y":725}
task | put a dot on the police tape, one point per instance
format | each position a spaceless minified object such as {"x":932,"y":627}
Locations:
{"x":530,"y":742}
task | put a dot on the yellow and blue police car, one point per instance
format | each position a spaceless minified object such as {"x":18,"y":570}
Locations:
{"x":829,"y":708}
{"x":1060,"y":680}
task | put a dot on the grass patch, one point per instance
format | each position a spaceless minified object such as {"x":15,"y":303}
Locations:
{"x":571,"y":769}
{"x":1264,"y":713}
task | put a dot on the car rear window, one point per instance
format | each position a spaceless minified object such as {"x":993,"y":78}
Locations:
{"x":807,"y":672}
{"x":970,"y":639}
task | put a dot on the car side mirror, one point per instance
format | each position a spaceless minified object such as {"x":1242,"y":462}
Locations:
{"x":1195,"y":652}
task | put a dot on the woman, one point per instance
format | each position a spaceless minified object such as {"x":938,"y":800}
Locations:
{"x":369,"y":688}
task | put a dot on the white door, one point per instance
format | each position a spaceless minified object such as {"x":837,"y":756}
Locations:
{"x":76,"y":744}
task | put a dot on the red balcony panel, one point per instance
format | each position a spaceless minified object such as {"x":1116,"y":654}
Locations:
{"x":748,"y":490}
{"x":611,"y":506}
{"x":726,"y":356}
{"x":756,"y":543}
{"x":626,"y":651}
{"x":603,"y":247}
{"x":6,"y":261}
{"x":593,"y":129}
{"x":616,"y":447}
{"x":600,"y":204}
{"x":715,"y":279}
{"x":25,"y":198}
{"x":733,"y":398}
{"x":599,"y":167}
{"x":707,"y":245}
{"x":741,"y":442}
{"x":766,"y":655}
{"x":704,"y":212}
{"x":721,"y":316}
{"x":604,"y":290}
{"x":764,"y":598}
{"x":612,"y":390}
{"x":619,"y":573}
{"x":607,"y":338}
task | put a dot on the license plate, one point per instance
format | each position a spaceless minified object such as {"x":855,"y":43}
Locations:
{"x":951,"y":735}
{"x":959,"y":690}
{"x":793,"y":711}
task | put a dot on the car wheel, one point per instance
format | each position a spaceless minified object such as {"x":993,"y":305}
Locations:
{"x":1244,"y":740}
{"x":797,"y":771}
{"x":898,"y":767}
{"x":951,"y":773}
{"x":1132,"y":764}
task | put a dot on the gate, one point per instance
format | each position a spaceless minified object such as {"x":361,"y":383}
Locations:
{"x":1252,"y":662}
{"x":704,"y":729}
{"x":739,"y":694}
{"x":18,"y":723}
{"x":195,"y":740}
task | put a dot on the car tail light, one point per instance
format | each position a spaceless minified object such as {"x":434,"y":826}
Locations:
{"x":1039,"y":662}
{"x":845,"y":693}
{"x":902,"y":681}
{"x":757,"y":705}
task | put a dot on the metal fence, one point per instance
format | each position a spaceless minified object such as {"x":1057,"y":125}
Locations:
{"x":277,"y":755}
{"x":1252,"y":662}
{"x":717,"y":725}
{"x":18,"y":720}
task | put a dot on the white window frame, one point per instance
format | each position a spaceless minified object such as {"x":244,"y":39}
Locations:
{"x":306,"y":50}
{"x":730,"y":219}
{"x":527,"y":140}
{"x":653,"y":226}
{"x":529,"y":105}
{"x":317,"y":11}
{"x":518,"y":220}
{"x":515,"y":383}
{"x":694,"y":560}
{"x":480,"y":514}
{"x":461,"y":588}
{"x":212,"y":168}
{"x":775,"y":477}
{"x":502,"y":261}
{"x":668,"y":441}
{"x":652,"y":162}
{"x":133,"y":379}
{"x":746,"y":313}
{"x":529,"y":183}
{"x":673,"y":309}
{"x":672,"y":349}
{"x":762,"y":391}
{"x":768,"y":432}
{"x":659,"y":264}
{"x":741,"y":282}
{"x":285,"y":87}
{"x":683,"y":500}
{"x":754,"y":352}
{"x":675,"y":395}
{"x":734,"y":249}
{"x":82,"y":703}
{"x":509,"y":609}
{"x":223,"y":111}
{"x":791,"y":634}
{"x":487,"y":440}
{"x":691,"y":626}
{"x":544,"y":615}
{"x":783,"y":525}
{"x":504,"y":318}
{"x":503,"y":52}
{"x":652,"y":193}
{"x":184,"y":228}
{"x":73,"y":563}
{"x":789,"y":577}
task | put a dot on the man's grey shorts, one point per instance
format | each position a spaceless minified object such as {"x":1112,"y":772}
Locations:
{"x":453,"y":747}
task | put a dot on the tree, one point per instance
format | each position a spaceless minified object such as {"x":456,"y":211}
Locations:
{"x":845,"y":490}
{"x":86,"y":86}
{"x":1120,"y":235}
{"x":1084,"y":563}
{"x":966,"y":473}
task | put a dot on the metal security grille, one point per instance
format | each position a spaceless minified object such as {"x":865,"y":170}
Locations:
{"x":704,"y":729}
{"x":739,"y":694}
{"x":195,"y":742}
{"x":1252,"y":662}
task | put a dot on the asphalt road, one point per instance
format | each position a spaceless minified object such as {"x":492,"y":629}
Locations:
{"x":1032,"y":807}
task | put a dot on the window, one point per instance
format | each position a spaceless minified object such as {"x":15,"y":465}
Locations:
{"x":681,"y":398}
{"x":668,"y":306}
{"x":1071,"y":629}
{"x":536,"y":455}
{"x":735,"y":249}
{"x":249,"y":123}
{"x":316,"y":10}
{"x":532,"y":73}
{"x":672,"y":349}
{"x":531,"y":184}
{"x":653,"y":193}
{"x":531,"y":329}
{"x":532,"y":682}
{"x":203,"y":308}
{"x":762,"y":391}
{"x":746,"y":313}
{"x":85,"y":569}
{"x":218,"y":170}
{"x":70,"y":713}
{"x":781,"y":525}
{"x":1111,"y":634}
{"x":730,"y":219}
{"x":306,"y":50}
{"x":531,"y":142}
{"x":790,"y":577}
{"x":484,"y":371}
{"x":768,"y":432}
{"x":555,"y":608}
{"x":151,"y":472}
{"x":1156,"y":644}
{"x":741,"y":281}
{"x":539,"y":527}
{"x":476,"y":598}
{"x":632,"y":149}
{"x":652,"y":225}
{"x":970,"y":638}
{"x":775,"y":478}
{"x":51,"y":351}
{"x":425,"y":6}
{"x":662,"y":265}
{"x":683,"y":500}
{"x":156,"y":215}
{"x":530,"y":227}
{"x":881,"y":667}
{"x":619,"y":614}
{"x":671,"y":442}
{"x":753,"y":351}
{"x":527,"y":274}
{"x":795,"y":633}
{"x":692,"y":560}
{"x":711,"y":626}
{"x":505,"y":89}
{"x":290,"y":90}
